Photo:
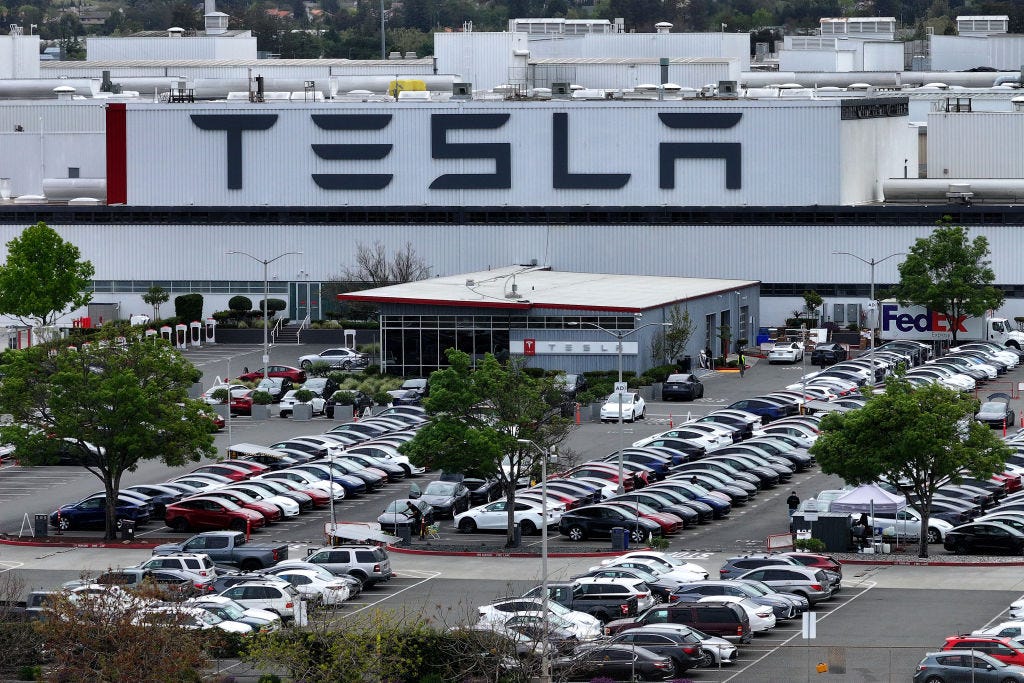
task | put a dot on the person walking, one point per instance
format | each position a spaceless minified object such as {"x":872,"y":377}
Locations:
{"x":743,"y":363}
{"x":793,"y":502}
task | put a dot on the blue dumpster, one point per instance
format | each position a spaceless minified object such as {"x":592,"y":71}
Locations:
{"x":620,"y":538}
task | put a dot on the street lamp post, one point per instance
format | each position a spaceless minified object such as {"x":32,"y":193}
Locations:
{"x":874,"y":304}
{"x":266,"y":294}
{"x":545,"y":670}
{"x":619,"y":336}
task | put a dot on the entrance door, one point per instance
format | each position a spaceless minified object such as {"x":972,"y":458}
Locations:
{"x":303,"y":300}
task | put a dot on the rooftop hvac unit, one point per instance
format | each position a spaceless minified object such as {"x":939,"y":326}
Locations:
{"x":727,"y":89}
{"x":462,"y":91}
{"x":560,"y":90}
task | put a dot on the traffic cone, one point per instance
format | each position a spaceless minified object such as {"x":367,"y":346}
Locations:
{"x":578,"y":413}
{"x":670,"y":420}
{"x":355,"y":413}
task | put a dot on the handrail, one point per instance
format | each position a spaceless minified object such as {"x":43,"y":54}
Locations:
{"x":303,"y":325}
{"x":276,"y":331}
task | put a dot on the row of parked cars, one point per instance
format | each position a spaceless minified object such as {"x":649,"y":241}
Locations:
{"x":647,"y":615}
{"x":258,"y":485}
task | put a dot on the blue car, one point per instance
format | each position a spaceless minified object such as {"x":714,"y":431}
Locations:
{"x":768,"y":410}
{"x":91,"y":513}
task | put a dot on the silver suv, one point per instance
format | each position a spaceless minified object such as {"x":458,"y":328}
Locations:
{"x":814,"y":584}
{"x":368,"y":563}
{"x":196,"y":565}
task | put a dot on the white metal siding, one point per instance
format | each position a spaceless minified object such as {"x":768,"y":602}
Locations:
{"x":882,"y":57}
{"x":975,"y":145}
{"x":809,"y":60}
{"x":730,"y":45}
{"x":956,"y":53}
{"x":621,"y":76}
{"x":777,"y":138}
{"x":482,"y":58}
{"x":101,"y":48}
{"x":1006,"y":52}
{"x":28,"y":158}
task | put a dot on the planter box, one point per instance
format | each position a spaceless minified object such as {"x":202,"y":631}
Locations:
{"x":595,"y":411}
{"x":260,"y":412}
{"x":656,"y":391}
{"x":647,"y":393}
{"x":302,"y":412}
{"x":343,"y":413}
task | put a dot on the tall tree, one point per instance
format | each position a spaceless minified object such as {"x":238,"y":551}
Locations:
{"x":113,"y":402}
{"x":669,"y":343}
{"x":930,"y":439}
{"x":483,"y":421}
{"x":156,"y":296}
{"x":43,"y":277}
{"x":949,"y":273}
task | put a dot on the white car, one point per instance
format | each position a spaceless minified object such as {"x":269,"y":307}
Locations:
{"x":386,"y":452}
{"x":1008,"y":357}
{"x":273,"y":596}
{"x":315,"y":587}
{"x":495,"y":516}
{"x":786,"y":352}
{"x":1006,"y":629}
{"x":658,"y":568}
{"x":762,"y":618}
{"x":723,"y":651}
{"x":229,"y":610}
{"x":307,"y":480}
{"x":288,"y":402}
{"x":644,"y":596}
{"x":583,"y":625}
{"x":958,"y":363}
{"x":945,"y":376}
{"x":287,"y":506}
{"x":802,"y":435}
{"x":188,"y":617}
{"x":906,"y":523}
{"x":709,"y":441}
{"x":667,"y":561}
{"x":1017,"y":609}
{"x":234,"y":389}
{"x":343,"y":358}
{"x":631,"y":404}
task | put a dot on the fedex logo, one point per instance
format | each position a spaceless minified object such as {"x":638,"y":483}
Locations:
{"x":928,"y":321}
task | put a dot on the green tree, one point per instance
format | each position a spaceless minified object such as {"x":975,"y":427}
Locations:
{"x":43,"y":277}
{"x":114,"y":403}
{"x":482,"y":420}
{"x":931,"y":439}
{"x":812,"y":300}
{"x":156,"y":296}
{"x":669,"y":343}
{"x":949,"y":273}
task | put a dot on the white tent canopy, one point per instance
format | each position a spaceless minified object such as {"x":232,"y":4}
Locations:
{"x":869,"y":498}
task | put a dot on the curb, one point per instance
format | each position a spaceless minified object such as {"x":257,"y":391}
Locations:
{"x":133,"y":545}
{"x":496,"y":553}
{"x":918,"y":562}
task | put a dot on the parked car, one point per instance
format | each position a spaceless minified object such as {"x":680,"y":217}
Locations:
{"x":369,"y":564}
{"x":584,"y":625}
{"x":261,"y":621}
{"x":197,"y":565}
{"x":966,"y":665}
{"x":618,"y":662}
{"x":324,"y":387}
{"x":630,"y":403}
{"x":1006,"y":650}
{"x":314,"y":587}
{"x":448,"y":498}
{"x":228,"y":547}
{"x":828,"y":354}
{"x":494,"y":516}
{"x":786,"y":352}
{"x":782,"y":607}
{"x":768,"y":410}
{"x":601,"y":598}
{"x":412,"y":392}
{"x":996,"y":412}
{"x":816,"y":585}
{"x":277,"y":596}
{"x":597,"y":521}
{"x":398,"y":514}
{"x":361,"y":401}
{"x":984,"y":537}
{"x":277,"y":387}
{"x":721,"y":619}
{"x":296,"y":375}
{"x":345,"y":359}
{"x":682,"y":386}
{"x":92,"y":513}
{"x":202,"y":512}
{"x":288,"y":401}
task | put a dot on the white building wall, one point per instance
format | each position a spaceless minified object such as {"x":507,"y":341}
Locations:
{"x":729,"y":45}
{"x":956,"y":53}
{"x":1006,"y":52}
{"x":607,"y":75}
{"x":880,"y":56}
{"x":484,"y":59}
{"x":814,"y":60}
{"x":889,"y":144}
{"x":103,"y":48}
{"x":975,"y":145}
{"x":604,"y":138}
{"x":29,"y":157}
{"x":19,"y":56}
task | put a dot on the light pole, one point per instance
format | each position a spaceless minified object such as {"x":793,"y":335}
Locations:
{"x":266,"y":294}
{"x":383,"y":54}
{"x":874,"y":304}
{"x":619,"y":336}
{"x":545,"y":671}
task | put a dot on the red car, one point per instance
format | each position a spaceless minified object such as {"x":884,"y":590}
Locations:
{"x":271,"y":513}
{"x":232,"y":472}
{"x":1004,"y":649}
{"x":321,"y":499}
{"x":201,"y":512}
{"x":669,"y":523}
{"x":241,"y":402}
{"x":817,"y":561}
{"x":254,"y":467}
{"x":294,"y":374}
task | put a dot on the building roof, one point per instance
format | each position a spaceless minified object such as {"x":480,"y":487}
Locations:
{"x":541,"y":287}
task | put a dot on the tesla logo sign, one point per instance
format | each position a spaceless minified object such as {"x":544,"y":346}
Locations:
{"x":529,"y":347}
{"x":499,"y":152}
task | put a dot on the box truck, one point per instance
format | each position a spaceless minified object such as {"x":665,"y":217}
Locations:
{"x":917,"y":322}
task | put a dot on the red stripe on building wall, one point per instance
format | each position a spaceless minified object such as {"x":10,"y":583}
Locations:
{"x":117,"y":154}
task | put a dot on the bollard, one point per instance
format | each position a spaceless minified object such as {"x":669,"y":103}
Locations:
{"x":1004,"y":427}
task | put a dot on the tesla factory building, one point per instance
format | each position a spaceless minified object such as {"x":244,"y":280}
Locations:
{"x":718,"y":187}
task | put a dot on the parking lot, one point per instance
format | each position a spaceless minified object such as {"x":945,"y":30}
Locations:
{"x":881,"y":624}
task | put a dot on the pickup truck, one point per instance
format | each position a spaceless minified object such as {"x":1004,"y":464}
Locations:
{"x":228,"y":547}
{"x":590,"y":598}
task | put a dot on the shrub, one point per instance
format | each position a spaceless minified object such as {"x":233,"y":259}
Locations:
{"x":658,"y":543}
{"x":371,"y":349}
{"x":660,"y":373}
{"x":371,"y":371}
{"x":239,"y":304}
{"x":811,"y":545}
{"x":536,"y":373}
{"x":344,"y":398}
{"x":304,"y":395}
{"x":220,"y":395}
{"x":275,"y":306}
{"x":189,"y":307}
{"x":321,"y":368}
{"x":330,"y":325}
{"x":382,"y":398}
{"x":262,"y":398}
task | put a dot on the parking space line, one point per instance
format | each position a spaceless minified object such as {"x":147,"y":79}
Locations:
{"x":427,"y":577}
{"x":868,"y":586}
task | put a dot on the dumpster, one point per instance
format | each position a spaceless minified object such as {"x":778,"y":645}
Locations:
{"x":620,"y":538}
{"x":127,"y":530}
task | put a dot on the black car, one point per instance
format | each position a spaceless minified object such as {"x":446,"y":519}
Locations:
{"x":682,"y":648}
{"x":828,"y":354}
{"x":411,"y":393}
{"x":984,"y":537}
{"x":362,"y":402}
{"x":277,"y":387}
{"x":597,"y":521}
{"x":616,"y":662}
{"x":569,"y":387}
{"x":482,"y":490}
{"x":324,"y":387}
{"x":447,"y":497}
{"x":682,"y":387}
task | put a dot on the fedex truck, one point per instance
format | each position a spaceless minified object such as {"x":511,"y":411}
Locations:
{"x":917,"y":322}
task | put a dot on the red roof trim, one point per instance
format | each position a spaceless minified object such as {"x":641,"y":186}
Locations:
{"x":432,"y":302}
